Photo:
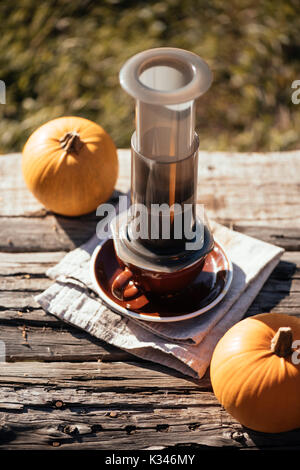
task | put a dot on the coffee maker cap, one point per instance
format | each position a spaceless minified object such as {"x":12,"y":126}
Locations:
{"x":165,"y":76}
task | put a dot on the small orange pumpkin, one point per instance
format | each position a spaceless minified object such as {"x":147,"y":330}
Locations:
{"x":70,"y":164}
{"x":255,"y":374}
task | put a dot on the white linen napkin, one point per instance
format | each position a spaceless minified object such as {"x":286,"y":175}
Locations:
{"x":186,"y":346}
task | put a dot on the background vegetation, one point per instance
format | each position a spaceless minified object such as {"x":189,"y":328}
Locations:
{"x":62,"y":57}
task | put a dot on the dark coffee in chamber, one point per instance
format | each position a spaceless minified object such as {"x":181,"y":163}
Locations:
{"x":163,"y":198}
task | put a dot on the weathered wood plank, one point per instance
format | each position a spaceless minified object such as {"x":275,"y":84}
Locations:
{"x":56,"y":233}
{"x":28,"y":317}
{"x":19,"y":307}
{"x":286,"y":275}
{"x":98,"y":376}
{"x":273,"y":297}
{"x":47,"y":338}
{"x":56,"y":341}
{"x":116,"y":406}
{"x":224,"y":179}
{"x":287,"y":238}
{"x":66,"y":343}
{"x":28,"y":263}
{"x":266,"y":206}
{"x":16,"y":200}
{"x":49,"y":233}
{"x":38,"y":263}
{"x":38,"y":431}
{"x":18,"y":301}
{"x":24,"y":283}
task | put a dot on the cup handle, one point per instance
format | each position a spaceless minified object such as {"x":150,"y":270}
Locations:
{"x":123,"y":287}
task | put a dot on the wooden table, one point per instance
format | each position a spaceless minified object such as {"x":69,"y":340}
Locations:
{"x":61,"y":388}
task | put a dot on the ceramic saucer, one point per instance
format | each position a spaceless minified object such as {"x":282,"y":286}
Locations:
{"x":206,"y":291}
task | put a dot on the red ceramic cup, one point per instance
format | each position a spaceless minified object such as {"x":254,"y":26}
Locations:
{"x":134,"y":281}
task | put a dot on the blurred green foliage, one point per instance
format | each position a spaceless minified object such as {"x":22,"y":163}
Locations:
{"x":62,"y":57}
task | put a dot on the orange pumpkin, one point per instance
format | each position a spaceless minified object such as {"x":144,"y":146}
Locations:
{"x":70,"y":164}
{"x":255,"y":375}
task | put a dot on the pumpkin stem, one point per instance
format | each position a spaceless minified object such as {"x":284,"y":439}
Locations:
{"x":71,"y":142}
{"x":281,"y":343}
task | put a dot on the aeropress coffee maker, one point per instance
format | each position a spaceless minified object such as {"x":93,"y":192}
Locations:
{"x":161,"y":243}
